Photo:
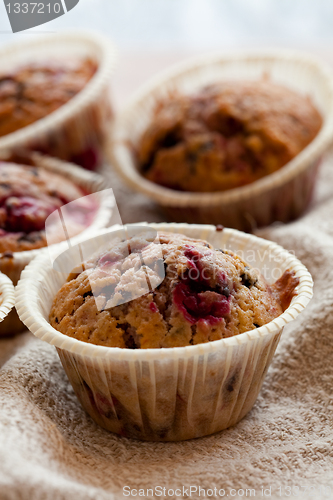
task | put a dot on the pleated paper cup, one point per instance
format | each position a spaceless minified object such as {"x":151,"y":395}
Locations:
{"x":167,"y":394}
{"x":281,"y":196}
{"x":7,"y":302}
{"x":79,"y":129}
{"x":12,"y":264}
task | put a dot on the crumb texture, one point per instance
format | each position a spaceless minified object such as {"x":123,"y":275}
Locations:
{"x":171,"y":292}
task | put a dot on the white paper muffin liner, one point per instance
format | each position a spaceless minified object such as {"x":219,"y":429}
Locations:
{"x":166,"y":394}
{"x":79,"y":129}
{"x":7,"y":296}
{"x":281,"y":196}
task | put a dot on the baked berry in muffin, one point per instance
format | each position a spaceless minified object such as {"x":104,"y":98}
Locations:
{"x":170,"y":292}
{"x":226,"y":135}
{"x":28,"y":195}
{"x":35,"y":90}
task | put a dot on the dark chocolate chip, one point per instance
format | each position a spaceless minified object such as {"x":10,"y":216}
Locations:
{"x":130,"y":343}
{"x":170,"y":140}
{"x":246,"y":278}
{"x":128,"y":336}
{"x":219,"y":228}
{"x":145,"y":167}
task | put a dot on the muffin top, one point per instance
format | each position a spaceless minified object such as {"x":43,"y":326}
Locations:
{"x":28,"y":195}
{"x":35,"y":90}
{"x":226,"y":135}
{"x":169,"y":291}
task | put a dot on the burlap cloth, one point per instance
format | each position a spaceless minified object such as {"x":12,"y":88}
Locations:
{"x":50,"y":449}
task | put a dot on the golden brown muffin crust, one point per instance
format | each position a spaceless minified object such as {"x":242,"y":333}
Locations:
{"x":205,"y":295}
{"x":28,"y":195}
{"x":227,"y":135}
{"x":32,"y":92}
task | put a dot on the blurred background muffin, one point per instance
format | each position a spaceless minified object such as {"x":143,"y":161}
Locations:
{"x":31,"y":189}
{"x":29,"y":194}
{"x":232,"y":138}
{"x":35,"y":90}
{"x":227,"y":135}
{"x":55,"y":96}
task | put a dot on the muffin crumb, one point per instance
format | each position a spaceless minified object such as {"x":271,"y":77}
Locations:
{"x":205,"y":295}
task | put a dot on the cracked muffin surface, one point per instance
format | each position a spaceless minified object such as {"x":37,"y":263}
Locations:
{"x":169,"y":291}
{"x":28,"y":195}
{"x":225,"y":136}
{"x":35,"y":90}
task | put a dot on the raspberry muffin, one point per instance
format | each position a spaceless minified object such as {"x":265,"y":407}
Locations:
{"x":164,"y":290}
{"x":225,"y":136}
{"x":35,"y":90}
{"x":173,"y":291}
{"x":28,"y":195}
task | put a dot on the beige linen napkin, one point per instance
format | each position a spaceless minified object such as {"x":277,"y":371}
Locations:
{"x":50,"y":449}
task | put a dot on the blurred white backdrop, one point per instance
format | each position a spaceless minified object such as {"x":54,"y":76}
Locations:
{"x":196,"y":24}
{"x":152,"y":34}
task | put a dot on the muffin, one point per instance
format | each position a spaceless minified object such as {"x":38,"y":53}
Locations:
{"x":55,"y":96}
{"x":35,"y":90}
{"x":162,"y":394}
{"x":170,"y":291}
{"x":226,"y":135}
{"x":28,"y":195}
